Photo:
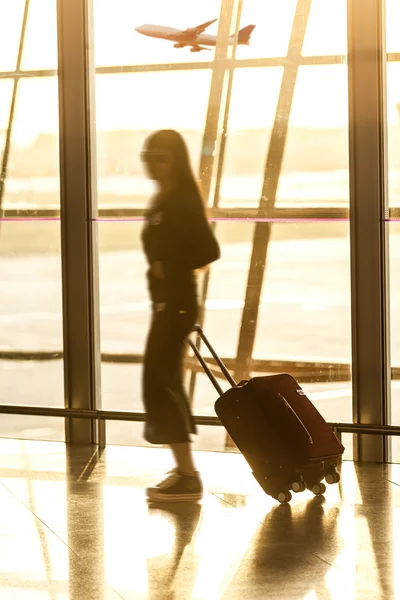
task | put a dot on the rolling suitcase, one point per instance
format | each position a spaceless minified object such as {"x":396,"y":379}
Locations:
{"x":285,"y":440}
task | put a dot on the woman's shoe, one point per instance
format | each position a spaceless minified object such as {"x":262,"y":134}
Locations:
{"x":177,"y":487}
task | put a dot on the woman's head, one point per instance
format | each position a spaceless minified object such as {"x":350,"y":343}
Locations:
{"x":166,"y":157}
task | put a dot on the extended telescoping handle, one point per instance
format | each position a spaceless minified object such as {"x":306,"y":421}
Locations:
{"x":224,"y":370}
{"x":206,"y":368}
{"x":221,"y":365}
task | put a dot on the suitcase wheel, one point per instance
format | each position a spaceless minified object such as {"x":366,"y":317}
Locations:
{"x":298,"y":486}
{"x":318,"y":489}
{"x":332,"y":477}
{"x":284,"y":497}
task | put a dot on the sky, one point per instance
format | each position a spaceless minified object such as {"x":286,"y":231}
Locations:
{"x":179,"y":99}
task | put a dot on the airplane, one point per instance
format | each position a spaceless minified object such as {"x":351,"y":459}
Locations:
{"x":195,"y":38}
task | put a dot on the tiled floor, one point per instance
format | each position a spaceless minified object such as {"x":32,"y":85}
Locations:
{"x":74,"y":525}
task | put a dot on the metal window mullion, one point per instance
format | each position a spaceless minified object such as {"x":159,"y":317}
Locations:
{"x":226,"y":63}
{"x":368,"y":211}
{"x":13,"y":103}
{"x":218,"y":177}
{"x":78,"y":203}
{"x":225,"y":123}
{"x":241,"y":213}
{"x":217,"y":97}
{"x":262,"y":231}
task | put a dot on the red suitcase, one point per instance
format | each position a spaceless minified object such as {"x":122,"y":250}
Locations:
{"x":283,"y":437}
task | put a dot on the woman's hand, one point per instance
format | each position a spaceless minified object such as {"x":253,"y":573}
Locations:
{"x":157,"y":270}
{"x":202,"y":270}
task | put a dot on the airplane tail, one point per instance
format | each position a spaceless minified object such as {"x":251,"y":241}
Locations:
{"x":245,"y":34}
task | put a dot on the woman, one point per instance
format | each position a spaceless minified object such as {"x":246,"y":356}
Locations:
{"x":177,"y":240}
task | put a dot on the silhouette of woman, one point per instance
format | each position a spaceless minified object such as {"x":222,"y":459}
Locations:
{"x":177,"y":240}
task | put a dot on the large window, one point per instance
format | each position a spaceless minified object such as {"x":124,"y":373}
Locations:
{"x":31,"y":369}
{"x":266,"y":125}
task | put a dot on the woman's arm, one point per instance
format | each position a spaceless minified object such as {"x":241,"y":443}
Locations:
{"x":192,"y":244}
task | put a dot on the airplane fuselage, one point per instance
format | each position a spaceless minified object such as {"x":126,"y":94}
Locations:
{"x":178,"y":36}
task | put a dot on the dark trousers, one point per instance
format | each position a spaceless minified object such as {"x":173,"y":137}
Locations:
{"x":168,"y":415}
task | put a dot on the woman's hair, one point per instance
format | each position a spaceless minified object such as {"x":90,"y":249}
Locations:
{"x":170,"y":141}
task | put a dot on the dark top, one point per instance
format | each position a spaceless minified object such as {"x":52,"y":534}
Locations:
{"x":178,"y":234}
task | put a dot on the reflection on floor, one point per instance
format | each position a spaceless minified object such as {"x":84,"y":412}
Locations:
{"x":74,"y":525}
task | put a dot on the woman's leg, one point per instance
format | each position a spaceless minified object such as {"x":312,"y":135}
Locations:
{"x":176,"y":425}
{"x":183,"y":458}
{"x":152,"y":390}
{"x":168,"y":416}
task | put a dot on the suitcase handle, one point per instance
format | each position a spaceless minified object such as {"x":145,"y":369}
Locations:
{"x":308,"y":434}
{"x":197,"y":329}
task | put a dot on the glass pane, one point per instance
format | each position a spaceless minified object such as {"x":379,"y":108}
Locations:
{"x":124,"y":433}
{"x":326,"y":32}
{"x":31,"y":343}
{"x":131,"y":105}
{"x":392,"y":25}
{"x":23,"y":427}
{"x":123,"y":290}
{"x":251,"y":116}
{"x":11,"y":14}
{"x":315,"y":169}
{"x":393,"y":109}
{"x":227,"y":286}
{"x":205,"y":394}
{"x":122,"y":385}
{"x":31,"y":297}
{"x":128,"y":110}
{"x":273,"y":21}
{"x":31,"y":314}
{"x":40,"y":48}
{"x":33,"y":171}
{"x":305,"y":312}
{"x":125,"y":314}
{"x":118,"y":42}
{"x":125,"y":307}
{"x":6,"y":88}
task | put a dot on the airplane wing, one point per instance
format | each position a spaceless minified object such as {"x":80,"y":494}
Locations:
{"x":196,"y":31}
{"x":197,"y":48}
